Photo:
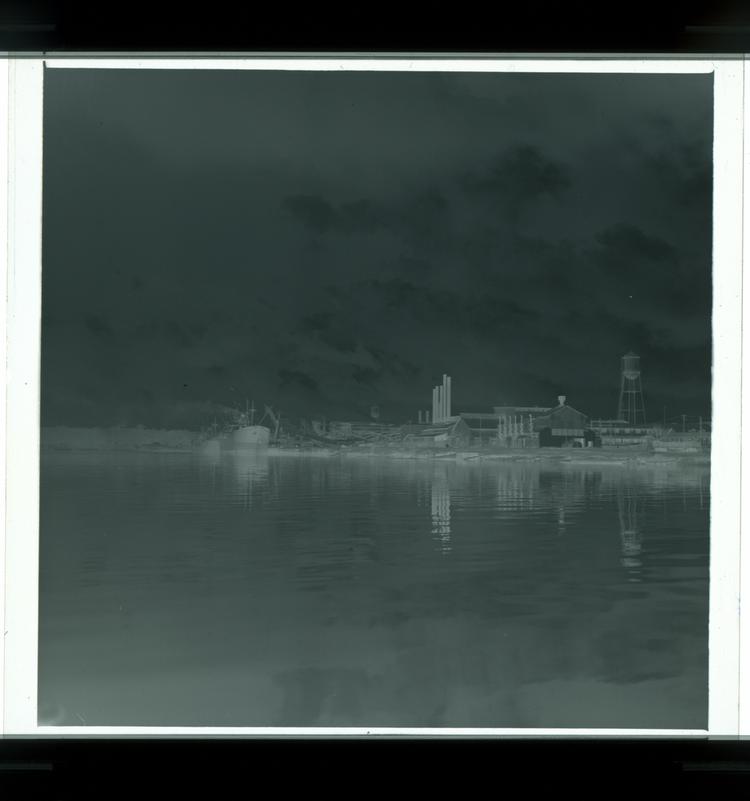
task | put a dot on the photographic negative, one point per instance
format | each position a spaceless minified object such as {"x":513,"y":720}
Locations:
{"x":375,"y":399}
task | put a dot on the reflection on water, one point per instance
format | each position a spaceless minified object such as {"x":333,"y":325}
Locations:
{"x":441,"y":510}
{"x":257,"y":589}
{"x":627,"y":507}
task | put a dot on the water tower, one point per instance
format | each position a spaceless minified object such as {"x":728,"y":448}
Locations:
{"x":631,"y":407}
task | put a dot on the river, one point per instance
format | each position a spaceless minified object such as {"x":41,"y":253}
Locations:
{"x":178,"y":590}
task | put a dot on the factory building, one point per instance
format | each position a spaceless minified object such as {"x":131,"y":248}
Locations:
{"x":620,"y":434}
{"x":515,"y":425}
{"x":534,"y":411}
{"x":563,"y":426}
{"x":506,"y":430}
{"x":482,"y":427}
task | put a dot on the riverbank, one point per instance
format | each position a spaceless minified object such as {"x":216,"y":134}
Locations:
{"x":64,"y":438}
{"x":594,"y":457}
{"x":187,"y":442}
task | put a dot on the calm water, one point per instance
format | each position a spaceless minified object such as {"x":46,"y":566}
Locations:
{"x":291,"y":591}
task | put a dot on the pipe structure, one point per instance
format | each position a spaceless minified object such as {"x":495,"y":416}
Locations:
{"x":448,"y":397}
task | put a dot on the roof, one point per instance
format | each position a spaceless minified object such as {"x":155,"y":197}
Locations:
{"x":565,"y":406}
{"x":430,"y":429}
{"x":546,"y":419}
{"x":513,"y":409}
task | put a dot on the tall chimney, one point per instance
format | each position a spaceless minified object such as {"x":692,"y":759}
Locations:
{"x":434,"y":404}
{"x":448,"y":397}
{"x":419,"y":416}
{"x":427,"y":416}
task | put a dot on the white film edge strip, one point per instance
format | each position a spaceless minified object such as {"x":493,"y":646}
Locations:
{"x":22,"y":149}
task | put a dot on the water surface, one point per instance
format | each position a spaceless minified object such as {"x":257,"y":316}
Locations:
{"x":303,"y":591}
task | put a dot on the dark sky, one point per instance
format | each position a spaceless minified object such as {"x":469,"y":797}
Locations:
{"x":322,"y":242}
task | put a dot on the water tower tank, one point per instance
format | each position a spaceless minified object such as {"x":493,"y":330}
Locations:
{"x":631,"y":365}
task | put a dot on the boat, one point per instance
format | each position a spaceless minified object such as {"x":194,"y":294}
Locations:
{"x":245,"y":437}
{"x":242,"y":434}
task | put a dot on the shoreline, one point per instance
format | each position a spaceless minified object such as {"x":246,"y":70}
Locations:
{"x":598,"y":457}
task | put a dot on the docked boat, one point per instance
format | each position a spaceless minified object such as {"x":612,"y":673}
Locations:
{"x":242,"y":434}
{"x":245,"y":437}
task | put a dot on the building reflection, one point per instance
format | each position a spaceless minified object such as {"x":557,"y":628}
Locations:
{"x":631,"y":539}
{"x":517,"y":490}
{"x":441,"y":510}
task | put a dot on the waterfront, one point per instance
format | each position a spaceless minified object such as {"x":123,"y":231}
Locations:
{"x":260,"y":590}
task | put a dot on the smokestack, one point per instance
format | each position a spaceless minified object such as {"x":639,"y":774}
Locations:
{"x":441,"y":401}
{"x":427,"y":416}
{"x":419,"y":416}
{"x":448,"y":397}
{"x":434,"y":403}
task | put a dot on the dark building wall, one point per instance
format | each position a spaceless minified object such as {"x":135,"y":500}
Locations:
{"x":587,"y":438}
{"x":563,"y":417}
{"x":565,"y":426}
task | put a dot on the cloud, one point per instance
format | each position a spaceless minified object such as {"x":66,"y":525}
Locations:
{"x":517,"y":179}
{"x":318,"y":241}
{"x":314,"y":212}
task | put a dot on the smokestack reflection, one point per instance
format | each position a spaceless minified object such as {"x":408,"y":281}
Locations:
{"x":441,"y":510}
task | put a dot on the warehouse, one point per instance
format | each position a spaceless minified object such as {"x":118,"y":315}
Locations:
{"x":565,"y":427}
{"x":482,"y":426}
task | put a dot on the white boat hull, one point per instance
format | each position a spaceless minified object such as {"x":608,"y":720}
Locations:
{"x":246,"y":438}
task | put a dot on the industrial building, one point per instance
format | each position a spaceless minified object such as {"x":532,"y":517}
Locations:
{"x":482,"y":427}
{"x":516,"y":425}
{"x":620,"y":434}
{"x":564,"y":426}
{"x":505,"y":427}
{"x":506,"y":430}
